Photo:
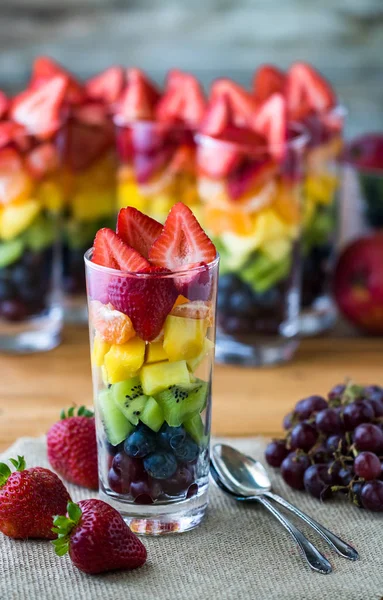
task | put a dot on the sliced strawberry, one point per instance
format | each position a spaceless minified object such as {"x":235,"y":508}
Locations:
{"x":147,"y":166}
{"x":106,"y":86}
{"x":251,"y":175}
{"x":151,"y":91}
{"x":270,"y":120}
{"x":110,"y":251}
{"x":218,"y":116}
{"x":170,"y":106}
{"x":92,"y":113}
{"x":268,"y":80}
{"x":139,"y":98}
{"x":306,"y":91}
{"x":42,"y":160}
{"x":241,"y":101}
{"x":4,"y":104}
{"x":183,"y":100}
{"x":39,"y":110}
{"x":182,"y":242}
{"x":146,"y":300}
{"x":195,"y":285}
{"x":137,"y":230}
{"x":45,"y":69}
{"x":11,"y":132}
{"x":84,"y":143}
{"x":216,"y":159}
{"x":10,"y":160}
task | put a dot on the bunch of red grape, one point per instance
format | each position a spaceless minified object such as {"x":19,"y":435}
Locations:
{"x":335,"y":445}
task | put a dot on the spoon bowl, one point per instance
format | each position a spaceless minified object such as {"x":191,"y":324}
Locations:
{"x":241,"y":474}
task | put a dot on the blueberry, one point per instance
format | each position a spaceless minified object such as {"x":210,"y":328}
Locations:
{"x":187,"y":451}
{"x":6,"y":290}
{"x":268,"y":299}
{"x":228,"y":283}
{"x":172,"y":437}
{"x":140,"y":443}
{"x":160,"y":465}
{"x":241,"y":302}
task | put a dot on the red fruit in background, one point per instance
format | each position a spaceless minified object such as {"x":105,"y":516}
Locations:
{"x":87,"y":136}
{"x":240,"y":100}
{"x":137,"y":230}
{"x":270,"y":121}
{"x":307,"y":91}
{"x":106,"y":86}
{"x":139,"y":98}
{"x":45,"y":68}
{"x":182,"y":101}
{"x":146,"y":300}
{"x":110,"y":251}
{"x":218,"y":117}
{"x":29,"y":499}
{"x":147,"y":166}
{"x":4,"y":104}
{"x":268,"y":80}
{"x":92,"y":113}
{"x":182,"y":242}
{"x":39,"y":110}
{"x":358,"y":286}
{"x":97,"y":538}
{"x":216,"y":159}
{"x":250,"y":176}
{"x":72,"y":447}
{"x":11,"y":132}
{"x":42,"y":160}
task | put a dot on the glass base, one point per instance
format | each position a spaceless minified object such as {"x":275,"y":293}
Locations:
{"x":39,"y":334}
{"x":161,"y":519}
{"x":75,"y":310}
{"x":318,"y":318}
{"x":266,"y":351}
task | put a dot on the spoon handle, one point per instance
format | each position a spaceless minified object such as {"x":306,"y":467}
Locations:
{"x":314,"y":558}
{"x":341,"y":547}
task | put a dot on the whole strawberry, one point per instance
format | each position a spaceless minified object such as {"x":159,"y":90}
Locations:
{"x":29,"y":499}
{"x":72,"y":447}
{"x":97,"y":537}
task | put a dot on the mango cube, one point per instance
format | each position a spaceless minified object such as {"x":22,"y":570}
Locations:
{"x":159,"y":376}
{"x":100,"y":348}
{"x":155,"y":352}
{"x":183,"y":337}
{"x":124,"y":360}
{"x":15,"y":218}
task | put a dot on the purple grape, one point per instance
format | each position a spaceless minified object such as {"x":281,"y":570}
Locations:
{"x":317,"y":481}
{"x":336,"y":442}
{"x":336,"y":392}
{"x":356,"y":413}
{"x":293,"y":469}
{"x":303,"y":436}
{"x":276,"y":451}
{"x":319,"y":454}
{"x":374,"y":392}
{"x":328,"y":421}
{"x":344,"y":476}
{"x":306,"y":407}
{"x":357,"y":488}
{"x":367,"y":465}
{"x":372,"y":496}
{"x":377,"y":406}
{"x":368,"y":436}
{"x":178,"y":483}
{"x":288,"y":421}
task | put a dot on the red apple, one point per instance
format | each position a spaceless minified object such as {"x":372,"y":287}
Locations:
{"x":358,"y":283}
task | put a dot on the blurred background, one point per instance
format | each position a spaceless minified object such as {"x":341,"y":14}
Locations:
{"x":211,"y":38}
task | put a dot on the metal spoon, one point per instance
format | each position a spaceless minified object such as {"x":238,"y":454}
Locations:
{"x":316,"y":560}
{"x":245,"y":476}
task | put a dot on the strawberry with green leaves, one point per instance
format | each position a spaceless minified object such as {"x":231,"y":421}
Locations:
{"x":97,"y":538}
{"x":29,"y":499}
{"x":72,"y":447}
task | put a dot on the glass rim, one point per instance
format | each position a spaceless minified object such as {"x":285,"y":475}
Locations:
{"x":353,"y":161}
{"x":117,"y":273}
{"x":298,"y":142}
{"x":120,"y":121}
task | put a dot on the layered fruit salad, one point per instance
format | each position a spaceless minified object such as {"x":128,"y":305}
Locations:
{"x":30,"y":196}
{"x":155,"y":142}
{"x":151,"y":291}
{"x":249,"y":179}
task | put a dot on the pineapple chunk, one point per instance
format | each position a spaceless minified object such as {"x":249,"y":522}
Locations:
{"x":155,"y":352}
{"x":50,"y":195}
{"x":100,"y":348}
{"x":129,"y":195}
{"x":183,"y":337}
{"x":159,"y":376}
{"x":104,"y":376}
{"x":193,"y":363}
{"x":15,"y":218}
{"x":123,"y":361}
{"x":92,"y":203}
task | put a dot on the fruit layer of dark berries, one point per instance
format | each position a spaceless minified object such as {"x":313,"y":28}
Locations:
{"x":335,"y":445}
{"x":316,"y":281}
{"x":152,"y":467}
{"x":25,"y":285}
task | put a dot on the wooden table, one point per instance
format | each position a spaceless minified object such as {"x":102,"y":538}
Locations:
{"x":246,"y":401}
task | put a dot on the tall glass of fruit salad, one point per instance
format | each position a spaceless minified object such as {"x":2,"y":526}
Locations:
{"x":152,"y":295}
{"x":155,"y":142}
{"x":312,"y":102}
{"x":30,"y":200}
{"x":249,"y":179}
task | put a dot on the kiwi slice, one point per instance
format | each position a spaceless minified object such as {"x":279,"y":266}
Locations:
{"x":129,"y":398}
{"x":152,"y":415}
{"x":116,"y":425}
{"x":196,"y":429}
{"x":179,"y":403}
{"x":40,"y":234}
{"x":10,"y":252}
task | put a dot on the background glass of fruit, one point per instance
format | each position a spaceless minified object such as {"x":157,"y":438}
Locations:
{"x":249,"y":181}
{"x":364,"y":156}
{"x":152,"y":334}
{"x":155,"y":143}
{"x":30,"y":200}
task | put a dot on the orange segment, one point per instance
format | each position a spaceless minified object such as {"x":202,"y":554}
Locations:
{"x":112,"y":326}
{"x":287,"y":203}
{"x":218,"y":221}
{"x":180,"y":300}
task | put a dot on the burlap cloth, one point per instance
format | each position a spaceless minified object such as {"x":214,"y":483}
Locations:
{"x":239,"y":552}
